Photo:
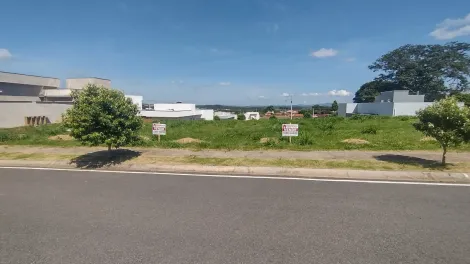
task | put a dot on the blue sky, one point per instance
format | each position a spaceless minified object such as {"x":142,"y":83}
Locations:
{"x":244,"y":52}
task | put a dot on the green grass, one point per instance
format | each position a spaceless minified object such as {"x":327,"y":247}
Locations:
{"x":383,"y":133}
{"x":99,"y":160}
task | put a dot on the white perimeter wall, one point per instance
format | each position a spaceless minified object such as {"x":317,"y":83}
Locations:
{"x":175,"y":107}
{"x":136,"y":99}
{"x":206,"y":114}
{"x":385,"y":109}
{"x":13,"y":114}
{"x":408,"y":109}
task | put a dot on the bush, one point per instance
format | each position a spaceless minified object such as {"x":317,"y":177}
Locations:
{"x":102,"y":116}
{"x":241,"y":117}
{"x":216,"y":118}
{"x":306,"y":139}
{"x":273,"y":117}
{"x":369,"y":130}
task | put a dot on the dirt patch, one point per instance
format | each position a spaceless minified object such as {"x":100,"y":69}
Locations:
{"x":145,"y":138}
{"x":427,"y":139}
{"x":268,"y":139}
{"x":356,"y":141}
{"x":188,"y":140}
{"x":61,"y":137}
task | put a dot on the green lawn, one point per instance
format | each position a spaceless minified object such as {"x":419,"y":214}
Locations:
{"x":382,"y":133}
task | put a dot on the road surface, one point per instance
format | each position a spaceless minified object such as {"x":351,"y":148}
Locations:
{"x":92,"y":217}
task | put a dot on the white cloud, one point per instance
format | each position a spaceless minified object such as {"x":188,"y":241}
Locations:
{"x":5,"y":54}
{"x":285,"y":94}
{"x":339,"y":93}
{"x":179,"y":81}
{"x":311,"y":94}
{"x":323,"y":53}
{"x":224,"y":83}
{"x":452,"y":28}
{"x":351,"y":59}
{"x":262,"y":97}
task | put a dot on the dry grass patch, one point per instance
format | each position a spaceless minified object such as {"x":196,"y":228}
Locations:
{"x":61,"y":137}
{"x":355,"y":141}
{"x":428,"y":139}
{"x":188,"y":140}
{"x":268,"y":139}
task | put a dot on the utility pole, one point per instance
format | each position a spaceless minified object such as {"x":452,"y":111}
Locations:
{"x":291,"y":107}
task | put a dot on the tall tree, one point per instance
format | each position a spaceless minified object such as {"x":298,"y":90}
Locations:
{"x":334,"y":106}
{"x":102,"y":116}
{"x":368,"y":91}
{"x":445,"y":121}
{"x":433,"y":70}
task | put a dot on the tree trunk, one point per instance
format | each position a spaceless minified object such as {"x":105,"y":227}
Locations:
{"x":444,"y":156}
{"x":109,"y":151}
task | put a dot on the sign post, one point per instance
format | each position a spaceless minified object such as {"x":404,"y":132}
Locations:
{"x":290,"y":130}
{"x":159,"y":130}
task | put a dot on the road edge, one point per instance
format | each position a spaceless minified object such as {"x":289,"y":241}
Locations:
{"x":412,"y":176}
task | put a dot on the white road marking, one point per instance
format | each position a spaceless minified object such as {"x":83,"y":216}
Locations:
{"x":247,"y":177}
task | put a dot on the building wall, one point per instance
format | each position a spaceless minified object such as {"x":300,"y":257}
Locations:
{"x":405,"y":97}
{"x":384,"y":97}
{"x":345,"y":109}
{"x":80,"y":83}
{"x":15,"y":89}
{"x":6,"y":77}
{"x":206,"y":114}
{"x":385,"y":109}
{"x":408,"y":109}
{"x":12,"y":114}
{"x":136,"y":99}
{"x":175,"y":107}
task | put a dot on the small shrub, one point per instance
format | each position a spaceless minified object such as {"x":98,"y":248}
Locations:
{"x":273,"y":117}
{"x":241,"y":117}
{"x":216,"y":118}
{"x":405,"y":118}
{"x":369,"y":130}
{"x":305,"y":139}
{"x":4,"y":137}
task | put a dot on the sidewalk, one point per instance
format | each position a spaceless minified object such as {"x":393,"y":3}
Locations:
{"x":364,"y":165}
{"x":263,"y":154}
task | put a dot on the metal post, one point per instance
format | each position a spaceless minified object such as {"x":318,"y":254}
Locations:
{"x":290,"y":138}
{"x":158,"y":133}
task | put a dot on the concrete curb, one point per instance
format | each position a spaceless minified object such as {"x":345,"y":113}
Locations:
{"x":437,"y":176}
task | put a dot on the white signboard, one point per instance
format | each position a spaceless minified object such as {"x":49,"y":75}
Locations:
{"x":290,"y":130}
{"x":159,"y":129}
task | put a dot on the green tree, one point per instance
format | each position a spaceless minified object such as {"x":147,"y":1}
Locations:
{"x":433,"y":70}
{"x":102,"y":116}
{"x":334,"y":106}
{"x":269,"y":109}
{"x":241,"y":117}
{"x":368,"y":91}
{"x":463,"y":97}
{"x":216,"y":118}
{"x":446,"y":122}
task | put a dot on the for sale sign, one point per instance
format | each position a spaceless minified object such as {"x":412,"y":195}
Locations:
{"x":290,"y":130}
{"x":159,"y":129}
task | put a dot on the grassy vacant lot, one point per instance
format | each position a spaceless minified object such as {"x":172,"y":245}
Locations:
{"x":380,"y":133}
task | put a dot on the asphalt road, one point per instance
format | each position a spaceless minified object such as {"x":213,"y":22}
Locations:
{"x":89,"y":217}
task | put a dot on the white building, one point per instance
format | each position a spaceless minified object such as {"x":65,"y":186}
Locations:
{"x":252,"y":116}
{"x":225,"y":115}
{"x":392,"y":103}
{"x":172,"y":111}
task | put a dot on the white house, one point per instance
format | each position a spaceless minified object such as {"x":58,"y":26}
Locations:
{"x":391,"y":103}
{"x":252,"y":116}
{"x":172,"y":111}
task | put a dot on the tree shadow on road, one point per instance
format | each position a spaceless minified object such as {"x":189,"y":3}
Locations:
{"x":414,"y":161}
{"x":99,"y":159}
